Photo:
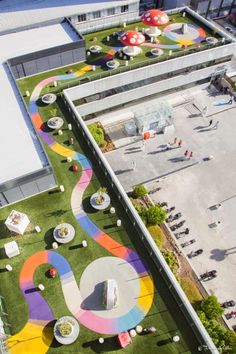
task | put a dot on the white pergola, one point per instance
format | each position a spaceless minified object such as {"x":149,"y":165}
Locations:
{"x":17,"y":222}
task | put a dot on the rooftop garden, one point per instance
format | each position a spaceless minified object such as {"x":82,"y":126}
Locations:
{"x":54,"y":207}
{"x":170,"y":44}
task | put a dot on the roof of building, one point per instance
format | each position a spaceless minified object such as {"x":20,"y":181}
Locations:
{"x":15,"y":13}
{"x":21,"y":152}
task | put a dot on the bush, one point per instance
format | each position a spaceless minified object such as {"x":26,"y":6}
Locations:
{"x":211,"y":307}
{"x":97,"y":134}
{"x":139,"y":191}
{"x":155,"y":215}
{"x":171,"y":260}
{"x":157,"y":235}
{"x":190,"y":290}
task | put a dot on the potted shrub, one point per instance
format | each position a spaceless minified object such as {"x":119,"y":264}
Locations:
{"x":65,"y":328}
{"x":63,"y":231}
{"x":100,"y":198}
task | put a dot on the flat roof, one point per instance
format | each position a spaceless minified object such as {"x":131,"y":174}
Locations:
{"x":21,"y":152}
{"x":15,"y":13}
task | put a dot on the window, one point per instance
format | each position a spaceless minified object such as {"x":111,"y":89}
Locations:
{"x":96,"y":14}
{"x":111,"y":11}
{"x":125,"y":8}
{"x":82,"y":18}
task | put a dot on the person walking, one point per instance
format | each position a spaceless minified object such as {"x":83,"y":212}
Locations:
{"x":175,"y":141}
{"x":143,"y":145}
{"x":216,"y":125}
{"x":190,"y":154}
{"x":230,"y":100}
{"x":133,"y":165}
{"x":210,"y":122}
{"x":186,"y":155}
{"x":180,"y":143}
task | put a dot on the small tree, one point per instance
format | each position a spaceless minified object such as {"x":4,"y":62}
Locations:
{"x":155,"y":215}
{"x":139,"y":191}
{"x":212,"y":307}
{"x":97,"y":134}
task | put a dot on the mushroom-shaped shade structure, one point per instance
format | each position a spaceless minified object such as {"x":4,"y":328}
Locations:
{"x":154,"y":18}
{"x":132,"y":40}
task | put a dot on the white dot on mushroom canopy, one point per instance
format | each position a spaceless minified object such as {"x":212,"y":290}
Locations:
{"x":148,"y":19}
{"x":132,"y":40}
{"x":135,"y":36}
{"x":155,"y":17}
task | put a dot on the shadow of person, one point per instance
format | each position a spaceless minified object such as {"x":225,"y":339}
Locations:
{"x":94,"y":300}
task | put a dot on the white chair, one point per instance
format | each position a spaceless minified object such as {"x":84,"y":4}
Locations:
{"x":118,"y":223}
{"x":62,"y":188}
{"x":37,"y":228}
{"x":11,"y":249}
{"x":8,"y":267}
{"x":41,"y":287}
{"x":84,"y":243}
{"x":54,"y":245}
{"x":112,"y":210}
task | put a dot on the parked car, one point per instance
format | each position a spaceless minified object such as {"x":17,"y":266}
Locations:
{"x":229,"y":303}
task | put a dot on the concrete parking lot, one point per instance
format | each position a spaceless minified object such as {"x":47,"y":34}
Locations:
{"x":195,"y":185}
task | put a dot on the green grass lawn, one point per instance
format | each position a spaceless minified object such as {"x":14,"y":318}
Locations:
{"x":49,"y":209}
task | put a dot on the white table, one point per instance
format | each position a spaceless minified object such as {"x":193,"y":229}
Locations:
{"x":103,"y":205}
{"x":112,"y":64}
{"x":95,"y":49}
{"x":11,"y":249}
{"x":55,"y":122}
{"x":74,"y":334}
{"x":49,"y":98}
{"x":68,"y":238}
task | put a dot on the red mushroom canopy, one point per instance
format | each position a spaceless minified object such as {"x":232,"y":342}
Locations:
{"x":132,"y":38}
{"x":155,"y":17}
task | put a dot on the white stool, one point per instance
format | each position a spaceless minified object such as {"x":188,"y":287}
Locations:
{"x":69,"y":126}
{"x":27,"y":93}
{"x":11,"y":249}
{"x":54,"y":245}
{"x":176,"y":339}
{"x":60,"y":132}
{"x":118,"y":223}
{"x":55,"y":83}
{"x":112,"y":210}
{"x":62,"y":188}
{"x":101,"y":340}
{"x":84,"y":243}
{"x":139,"y":329}
{"x":8,"y":267}
{"x":132,"y":333}
{"x":37,"y":228}
{"x":41,"y":287}
{"x":68,"y":159}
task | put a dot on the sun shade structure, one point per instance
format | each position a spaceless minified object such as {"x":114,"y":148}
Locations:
{"x":154,"y":18}
{"x":132,"y":40}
